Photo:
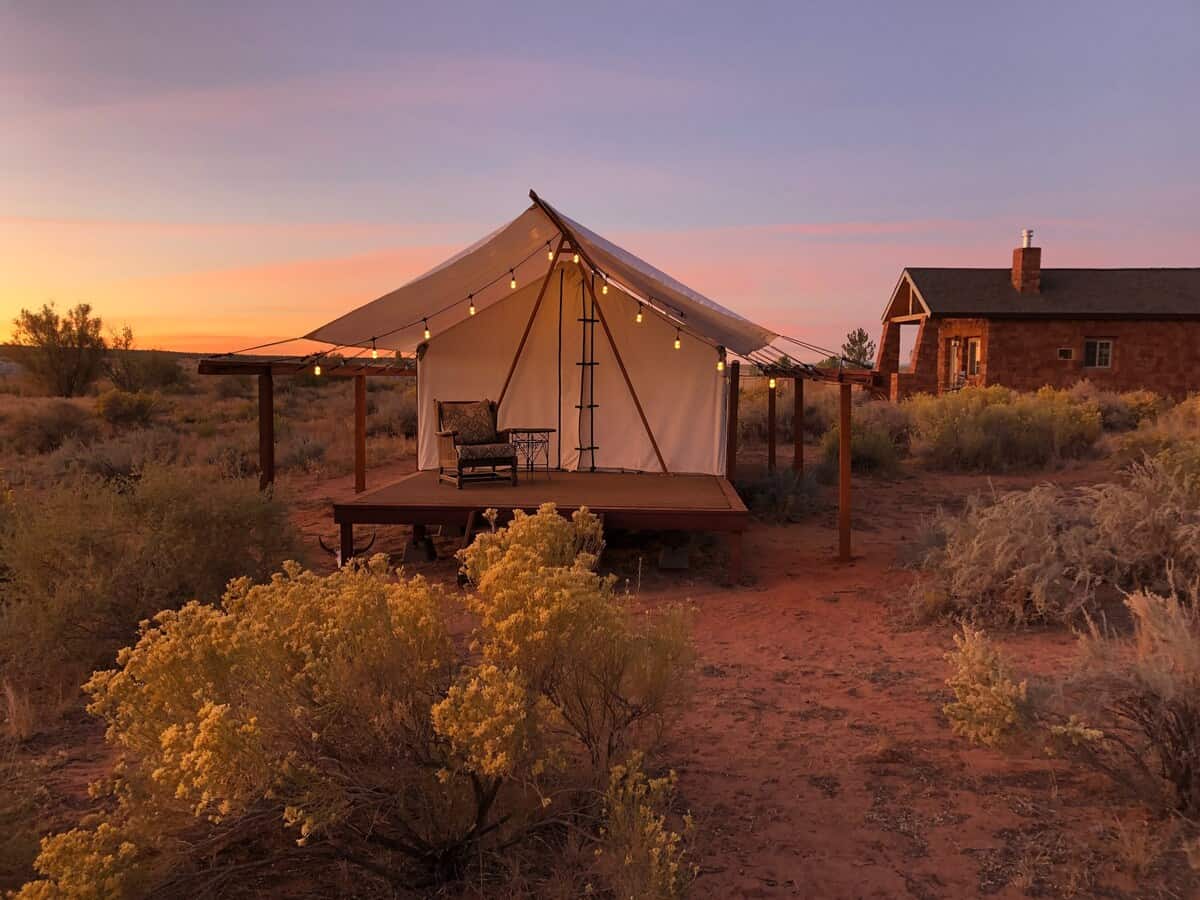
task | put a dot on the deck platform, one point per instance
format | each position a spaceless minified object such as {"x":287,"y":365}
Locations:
{"x":624,"y":500}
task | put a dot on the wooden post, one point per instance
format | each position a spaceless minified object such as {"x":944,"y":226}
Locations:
{"x":360,"y":433}
{"x":731,"y":439}
{"x":346,"y":542}
{"x":844,"y":434}
{"x":771,"y":390}
{"x":798,"y":425}
{"x":266,"y":430}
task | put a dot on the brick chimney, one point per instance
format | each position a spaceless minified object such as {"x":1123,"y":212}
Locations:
{"x":1027,"y":265}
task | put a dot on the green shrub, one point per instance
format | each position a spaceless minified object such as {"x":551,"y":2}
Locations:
{"x":393,"y":413}
{"x":133,"y":370}
{"x":228,"y":387}
{"x":88,"y":559}
{"x":43,"y":427}
{"x":1176,"y":428}
{"x":988,"y":705}
{"x":65,"y":353}
{"x":995,"y":429}
{"x":783,"y":496}
{"x":122,"y":456}
{"x":122,"y":409}
{"x":304,"y":453}
{"x":1118,"y":411}
{"x":879,"y":437}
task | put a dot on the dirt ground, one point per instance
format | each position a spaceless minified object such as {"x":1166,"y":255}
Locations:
{"x":815,"y":756}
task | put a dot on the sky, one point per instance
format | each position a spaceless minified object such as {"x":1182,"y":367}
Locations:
{"x":223,"y":174}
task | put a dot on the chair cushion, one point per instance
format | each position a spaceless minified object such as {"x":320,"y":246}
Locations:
{"x":486,"y":451}
{"x":472,"y":421}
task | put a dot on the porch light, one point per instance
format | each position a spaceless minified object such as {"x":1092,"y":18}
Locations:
{"x":678,"y":342}
{"x":427,"y":334}
{"x":471,"y":308}
{"x":638,"y":317}
{"x":512,"y":279}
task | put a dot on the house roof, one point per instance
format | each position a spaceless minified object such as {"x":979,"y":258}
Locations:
{"x":1064,"y":293}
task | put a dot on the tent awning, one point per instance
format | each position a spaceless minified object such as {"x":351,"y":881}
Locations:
{"x":481,"y":275}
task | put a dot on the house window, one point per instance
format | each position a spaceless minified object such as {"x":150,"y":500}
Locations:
{"x":1066,"y":353}
{"x":973,"y":356}
{"x":1097,"y":354}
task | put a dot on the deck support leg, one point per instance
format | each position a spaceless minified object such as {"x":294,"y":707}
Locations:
{"x":736,"y":539}
{"x":731,"y":437}
{"x":771,"y":391}
{"x":420,"y":548}
{"x":844,"y":435}
{"x":798,"y":426}
{"x":346,"y":543}
{"x":360,"y":433}
{"x":266,"y":431}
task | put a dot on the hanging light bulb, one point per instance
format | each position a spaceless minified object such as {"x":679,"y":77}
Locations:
{"x":471,"y":308}
{"x":549,"y":252}
{"x":678,"y":342}
{"x":771,"y":384}
{"x":575,"y":258}
{"x":638,"y":317}
{"x":374,"y":352}
{"x":604,"y":287}
{"x":720,"y":365}
{"x":512,"y":280}
{"x":317,"y":369}
{"x":427,"y":335}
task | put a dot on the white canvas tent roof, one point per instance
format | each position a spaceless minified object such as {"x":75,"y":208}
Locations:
{"x":481,"y":272}
{"x":559,"y":351}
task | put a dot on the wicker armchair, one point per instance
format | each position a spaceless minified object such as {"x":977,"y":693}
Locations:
{"x":470,"y":447}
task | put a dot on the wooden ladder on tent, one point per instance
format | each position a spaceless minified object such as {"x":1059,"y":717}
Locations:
{"x":587,"y":377}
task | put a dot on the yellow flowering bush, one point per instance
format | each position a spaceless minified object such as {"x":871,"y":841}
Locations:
{"x":337,"y":719}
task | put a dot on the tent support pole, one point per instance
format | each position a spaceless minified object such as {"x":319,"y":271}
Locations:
{"x":266,"y":430}
{"x":844,"y":475}
{"x":771,"y":391}
{"x":628,"y":381}
{"x":731,"y":439}
{"x":798,"y":425}
{"x":529,"y":325}
{"x":360,"y":433}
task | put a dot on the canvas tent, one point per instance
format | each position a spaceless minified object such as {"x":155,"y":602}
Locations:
{"x":564,"y":349}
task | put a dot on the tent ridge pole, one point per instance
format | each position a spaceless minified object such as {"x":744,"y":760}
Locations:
{"x":628,"y":381}
{"x":529,"y":325}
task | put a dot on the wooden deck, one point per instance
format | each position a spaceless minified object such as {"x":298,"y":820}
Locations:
{"x":625,"y":500}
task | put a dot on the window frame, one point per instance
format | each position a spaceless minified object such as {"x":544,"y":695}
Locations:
{"x":1098,"y":345}
{"x":974,"y":356}
{"x":1066,"y":354}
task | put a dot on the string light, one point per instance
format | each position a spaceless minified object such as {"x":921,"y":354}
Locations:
{"x":512,"y":280}
{"x":549,"y":252}
{"x":575,"y":258}
{"x":374,"y":352}
{"x":678,"y":342}
{"x":471,"y":308}
{"x":638,"y":317}
{"x":720,"y":359}
{"x":604,"y":287}
{"x":771,"y":384}
{"x":317,"y":369}
{"x":427,"y":334}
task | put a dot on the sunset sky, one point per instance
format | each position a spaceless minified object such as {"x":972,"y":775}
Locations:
{"x":217,"y":175}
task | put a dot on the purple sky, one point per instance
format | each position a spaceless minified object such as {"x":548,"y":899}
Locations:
{"x":213,"y":175}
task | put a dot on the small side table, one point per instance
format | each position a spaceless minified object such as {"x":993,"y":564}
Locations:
{"x":532,"y":444}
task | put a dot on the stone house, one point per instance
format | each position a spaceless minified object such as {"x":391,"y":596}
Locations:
{"x":1025,"y":327}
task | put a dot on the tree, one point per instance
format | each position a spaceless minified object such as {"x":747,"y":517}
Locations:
{"x":65,"y":353}
{"x":859,"y":348}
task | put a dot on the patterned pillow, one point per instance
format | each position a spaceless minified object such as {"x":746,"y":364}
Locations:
{"x":472,"y":421}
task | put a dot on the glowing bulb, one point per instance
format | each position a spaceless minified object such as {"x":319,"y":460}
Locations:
{"x":549,"y":252}
{"x":771,"y":384}
{"x":638,"y":317}
{"x":427,"y":335}
{"x":720,"y":365}
{"x":604,"y":288}
{"x":317,"y":369}
{"x":374,"y":353}
{"x":678,"y":343}
{"x":512,"y":281}
{"x":575,"y":258}
{"x":471,"y":308}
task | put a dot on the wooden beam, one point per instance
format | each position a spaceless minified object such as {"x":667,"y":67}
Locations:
{"x":360,"y":433}
{"x":529,"y":325}
{"x":266,"y":431}
{"x":628,"y":381}
{"x":798,"y":425}
{"x":844,"y":437}
{"x":771,"y":391}
{"x":731,"y":437}
{"x":242,"y":365}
